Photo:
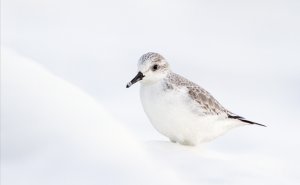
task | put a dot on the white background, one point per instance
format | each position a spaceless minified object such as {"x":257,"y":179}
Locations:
{"x":245,"y":53}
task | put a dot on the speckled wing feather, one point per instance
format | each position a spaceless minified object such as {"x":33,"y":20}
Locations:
{"x":206,"y":101}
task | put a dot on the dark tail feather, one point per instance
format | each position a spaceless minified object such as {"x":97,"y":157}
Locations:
{"x":244,"y":120}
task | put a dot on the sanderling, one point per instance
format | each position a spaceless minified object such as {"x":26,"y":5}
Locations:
{"x":179,"y":108}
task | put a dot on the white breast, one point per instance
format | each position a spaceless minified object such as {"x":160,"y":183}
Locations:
{"x":171,"y":113}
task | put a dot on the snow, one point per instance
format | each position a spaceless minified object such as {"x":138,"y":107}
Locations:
{"x":54,"y":133}
{"x":67,"y":118}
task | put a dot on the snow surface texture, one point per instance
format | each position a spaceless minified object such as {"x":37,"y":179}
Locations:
{"x":245,"y":53}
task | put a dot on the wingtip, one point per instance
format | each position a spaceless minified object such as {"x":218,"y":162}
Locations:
{"x":260,"y":124}
{"x":252,"y":123}
{"x":245,"y":120}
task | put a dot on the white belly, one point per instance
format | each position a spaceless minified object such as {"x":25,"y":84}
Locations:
{"x":171,"y":113}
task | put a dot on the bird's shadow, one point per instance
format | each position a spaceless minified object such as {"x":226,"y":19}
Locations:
{"x":169,"y":148}
{"x":166,"y":150}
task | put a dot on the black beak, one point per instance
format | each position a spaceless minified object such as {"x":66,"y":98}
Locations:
{"x":137,"y":78}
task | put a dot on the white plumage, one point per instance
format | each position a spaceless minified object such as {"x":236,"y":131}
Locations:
{"x":179,"y":108}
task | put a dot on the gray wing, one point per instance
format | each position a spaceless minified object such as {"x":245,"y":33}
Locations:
{"x":204,"y":99}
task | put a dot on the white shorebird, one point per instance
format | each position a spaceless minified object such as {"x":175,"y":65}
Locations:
{"x":179,"y":108}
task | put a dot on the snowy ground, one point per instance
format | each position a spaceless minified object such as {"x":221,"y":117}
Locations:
{"x":67,"y":118}
{"x":53,"y":133}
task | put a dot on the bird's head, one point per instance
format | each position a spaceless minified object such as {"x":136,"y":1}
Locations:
{"x":152,"y":67}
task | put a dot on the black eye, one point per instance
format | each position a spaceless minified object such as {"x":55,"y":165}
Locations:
{"x":155,"y":67}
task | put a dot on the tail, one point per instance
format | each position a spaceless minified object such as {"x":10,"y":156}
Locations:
{"x":244,"y":120}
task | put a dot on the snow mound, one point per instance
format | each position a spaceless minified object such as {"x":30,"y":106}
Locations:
{"x":54,"y":133}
